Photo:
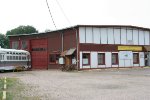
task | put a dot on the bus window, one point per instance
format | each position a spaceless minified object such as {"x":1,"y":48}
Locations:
{"x":0,"y":57}
{"x":25,"y":58}
{"x":19,"y":57}
{"x":22,"y":57}
{"x":13,"y":57}
{"x":10,"y":57}
{"x":16,"y":57}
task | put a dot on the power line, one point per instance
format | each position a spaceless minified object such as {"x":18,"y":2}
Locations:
{"x":63,"y":12}
{"x":61,"y":32}
{"x":51,"y":14}
{"x":75,"y":31}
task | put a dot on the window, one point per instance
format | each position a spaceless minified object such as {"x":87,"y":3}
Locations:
{"x":15,"y":45}
{"x":0,"y":57}
{"x":53,"y":58}
{"x":86,"y":58}
{"x":19,"y":57}
{"x":114,"y":58}
{"x":135,"y":58}
{"x":24,"y":45}
{"x":23,"y":58}
{"x":7,"y":57}
{"x":101,"y":58}
{"x":16,"y":57}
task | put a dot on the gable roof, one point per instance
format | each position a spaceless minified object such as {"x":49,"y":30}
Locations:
{"x":76,"y":26}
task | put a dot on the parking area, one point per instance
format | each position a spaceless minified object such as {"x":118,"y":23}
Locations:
{"x":111,"y":84}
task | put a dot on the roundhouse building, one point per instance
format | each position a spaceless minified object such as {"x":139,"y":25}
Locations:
{"x":92,"y":46}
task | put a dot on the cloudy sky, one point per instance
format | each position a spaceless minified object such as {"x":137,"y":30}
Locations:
{"x":35,"y":12}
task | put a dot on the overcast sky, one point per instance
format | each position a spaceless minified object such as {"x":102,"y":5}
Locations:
{"x":35,"y":12}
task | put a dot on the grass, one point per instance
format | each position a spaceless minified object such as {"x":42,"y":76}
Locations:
{"x":15,"y":90}
{"x":147,"y":67}
{"x":1,"y":94}
{"x":1,"y":87}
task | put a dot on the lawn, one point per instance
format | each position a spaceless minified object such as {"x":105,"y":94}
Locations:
{"x":13,"y":88}
{"x":1,"y":88}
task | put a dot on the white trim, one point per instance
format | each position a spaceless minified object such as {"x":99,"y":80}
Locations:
{"x":86,"y":52}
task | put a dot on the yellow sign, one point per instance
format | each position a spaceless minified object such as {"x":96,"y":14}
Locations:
{"x":130,"y":48}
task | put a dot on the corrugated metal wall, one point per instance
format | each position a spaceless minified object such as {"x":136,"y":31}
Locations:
{"x":39,"y":53}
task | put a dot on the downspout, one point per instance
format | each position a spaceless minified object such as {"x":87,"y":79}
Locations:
{"x":77,"y":49}
{"x":62,"y":42}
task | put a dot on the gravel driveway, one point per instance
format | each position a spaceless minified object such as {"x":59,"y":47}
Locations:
{"x":112,"y":84}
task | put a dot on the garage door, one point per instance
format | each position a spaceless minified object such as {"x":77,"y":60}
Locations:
{"x":39,"y":53}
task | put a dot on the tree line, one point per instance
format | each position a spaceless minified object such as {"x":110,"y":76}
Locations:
{"x":4,"y":40}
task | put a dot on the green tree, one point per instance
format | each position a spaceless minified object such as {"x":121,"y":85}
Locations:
{"x":22,"y":30}
{"x":4,"y":42}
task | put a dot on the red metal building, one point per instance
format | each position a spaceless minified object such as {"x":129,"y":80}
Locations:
{"x":45,"y":48}
{"x":96,"y":46}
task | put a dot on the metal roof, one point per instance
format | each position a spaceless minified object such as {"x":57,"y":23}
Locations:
{"x":68,"y":52}
{"x":75,"y":26}
{"x":13,"y":50}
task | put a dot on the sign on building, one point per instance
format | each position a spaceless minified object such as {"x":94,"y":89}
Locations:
{"x":130,"y":48}
{"x":125,"y":55}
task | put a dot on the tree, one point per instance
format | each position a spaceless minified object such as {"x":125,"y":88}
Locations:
{"x":22,"y":30}
{"x":4,"y":43}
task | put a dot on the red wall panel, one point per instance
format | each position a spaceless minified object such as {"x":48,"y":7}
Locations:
{"x":69,"y":39}
{"x":39,"y":57}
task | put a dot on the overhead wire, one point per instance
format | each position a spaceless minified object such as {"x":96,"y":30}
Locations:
{"x":63,"y":12}
{"x":68,"y":22}
{"x":51,"y":14}
{"x":73,"y":29}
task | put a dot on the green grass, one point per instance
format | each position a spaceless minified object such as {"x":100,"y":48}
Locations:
{"x":15,"y":89}
{"x":147,"y":67}
{"x":9,"y":96}
{"x":1,"y":84}
{"x":11,"y":82}
{"x":1,"y":93}
{"x":1,"y":88}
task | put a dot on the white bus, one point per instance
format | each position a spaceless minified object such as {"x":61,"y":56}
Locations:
{"x":11,"y":59}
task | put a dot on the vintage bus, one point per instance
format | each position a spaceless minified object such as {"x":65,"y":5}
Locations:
{"x":11,"y":59}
